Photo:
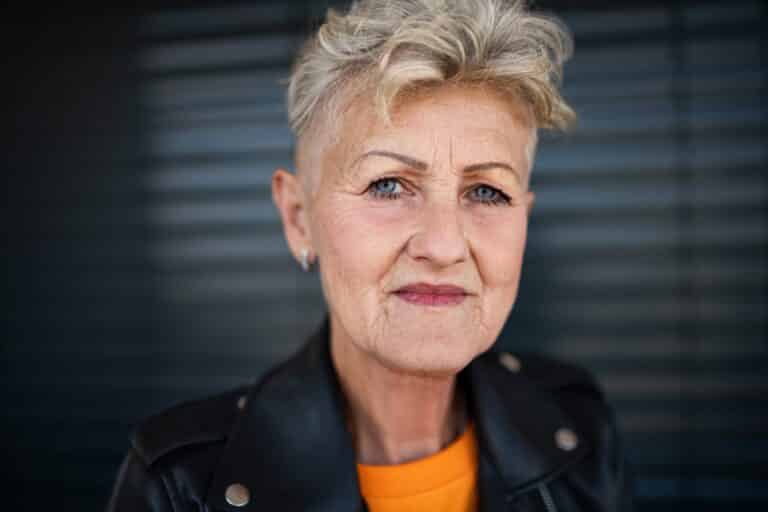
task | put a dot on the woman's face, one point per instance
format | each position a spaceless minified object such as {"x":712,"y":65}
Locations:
{"x":439,"y":197}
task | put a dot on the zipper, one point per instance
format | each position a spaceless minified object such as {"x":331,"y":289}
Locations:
{"x":546,"y":497}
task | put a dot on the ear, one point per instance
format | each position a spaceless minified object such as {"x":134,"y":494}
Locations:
{"x":288,"y":195}
{"x":530,"y":197}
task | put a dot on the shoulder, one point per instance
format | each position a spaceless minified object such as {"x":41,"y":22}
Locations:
{"x":173,"y":454}
{"x":544,"y":383}
{"x":578,"y":396}
{"x":202,"y":422}
{"x":547,"y":373}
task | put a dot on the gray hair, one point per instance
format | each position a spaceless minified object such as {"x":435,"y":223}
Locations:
{"x":391,"y":47}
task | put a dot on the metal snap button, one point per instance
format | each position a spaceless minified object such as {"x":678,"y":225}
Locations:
{"x":241,"y":402}
{"x":510,"y":362}
{"x":566,"y":439}
{"x":237,"y":495}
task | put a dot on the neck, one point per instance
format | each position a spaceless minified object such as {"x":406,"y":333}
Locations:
{"x":396,"y":417}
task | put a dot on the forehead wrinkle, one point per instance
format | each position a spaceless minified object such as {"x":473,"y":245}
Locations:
{"x":435,"y":149}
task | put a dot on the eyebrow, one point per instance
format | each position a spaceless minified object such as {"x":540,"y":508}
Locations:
{"x":422,"y":166}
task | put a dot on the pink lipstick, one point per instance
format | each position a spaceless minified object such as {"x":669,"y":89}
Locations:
{"x":425,"y":294}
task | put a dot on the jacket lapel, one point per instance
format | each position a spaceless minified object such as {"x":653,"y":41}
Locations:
{"x":291,"y":449}
{"x":516,"y":425}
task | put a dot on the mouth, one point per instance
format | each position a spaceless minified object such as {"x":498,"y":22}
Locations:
{"x":425,"y":294}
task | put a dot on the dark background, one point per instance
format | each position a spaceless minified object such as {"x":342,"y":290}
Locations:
{"x":146,"y":264}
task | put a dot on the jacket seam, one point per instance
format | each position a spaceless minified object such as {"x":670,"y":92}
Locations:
{"x":549,"y":477}
{"x":152,"y":456}
{"x":147,"y":470}
{"x":170,"y":491}
{"x":546,"y":497}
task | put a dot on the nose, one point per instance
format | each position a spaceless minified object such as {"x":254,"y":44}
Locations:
{"x":440,"y":238}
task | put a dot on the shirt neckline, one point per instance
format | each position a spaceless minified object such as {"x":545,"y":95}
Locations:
{"x":456,"y":460}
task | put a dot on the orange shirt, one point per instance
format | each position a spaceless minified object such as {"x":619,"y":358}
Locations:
{"x":443,"y":482}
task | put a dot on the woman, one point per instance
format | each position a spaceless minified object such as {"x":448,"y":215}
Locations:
{"x":416,"y":125}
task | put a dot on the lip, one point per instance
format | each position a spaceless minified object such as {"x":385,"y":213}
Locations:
{"x":432,"y":289}
{"x":427,"y":294}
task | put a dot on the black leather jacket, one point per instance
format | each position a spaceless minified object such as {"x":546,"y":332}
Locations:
{"x":547,"y":442}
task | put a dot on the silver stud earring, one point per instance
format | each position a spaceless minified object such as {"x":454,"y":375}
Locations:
{"x":305,"y":260}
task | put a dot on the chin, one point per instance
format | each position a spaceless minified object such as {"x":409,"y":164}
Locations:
{"x":429,"y":357}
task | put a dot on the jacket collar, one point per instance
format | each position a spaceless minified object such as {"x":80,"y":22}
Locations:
{"x":291,"y":449}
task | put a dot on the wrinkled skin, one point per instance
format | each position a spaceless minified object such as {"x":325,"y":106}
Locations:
{"x":420,"y":224}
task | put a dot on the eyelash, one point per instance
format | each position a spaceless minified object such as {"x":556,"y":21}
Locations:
{"x":500,"y":198}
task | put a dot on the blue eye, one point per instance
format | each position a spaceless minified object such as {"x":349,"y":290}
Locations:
{"x":385,"y":188}
{"x":391,"y":188}
{"x":489,"y":195}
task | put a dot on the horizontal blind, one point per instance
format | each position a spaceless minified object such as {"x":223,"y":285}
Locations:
{"x":159,"y":271}
{"x":647,"y":251}
{"x":215,"y":97}
{"x":646,"y":258}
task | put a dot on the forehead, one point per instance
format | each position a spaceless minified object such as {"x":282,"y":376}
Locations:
{"x":453,"y":123}
{"x":480,"y":120}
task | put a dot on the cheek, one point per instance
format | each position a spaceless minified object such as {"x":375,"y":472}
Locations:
{"x":358,"y":242}
{"x":499,"y":247}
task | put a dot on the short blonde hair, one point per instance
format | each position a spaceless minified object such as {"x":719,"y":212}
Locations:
{"x":391,"y":47}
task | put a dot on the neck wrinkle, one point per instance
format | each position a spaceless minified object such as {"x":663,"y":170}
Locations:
{"x":396,"y":417}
